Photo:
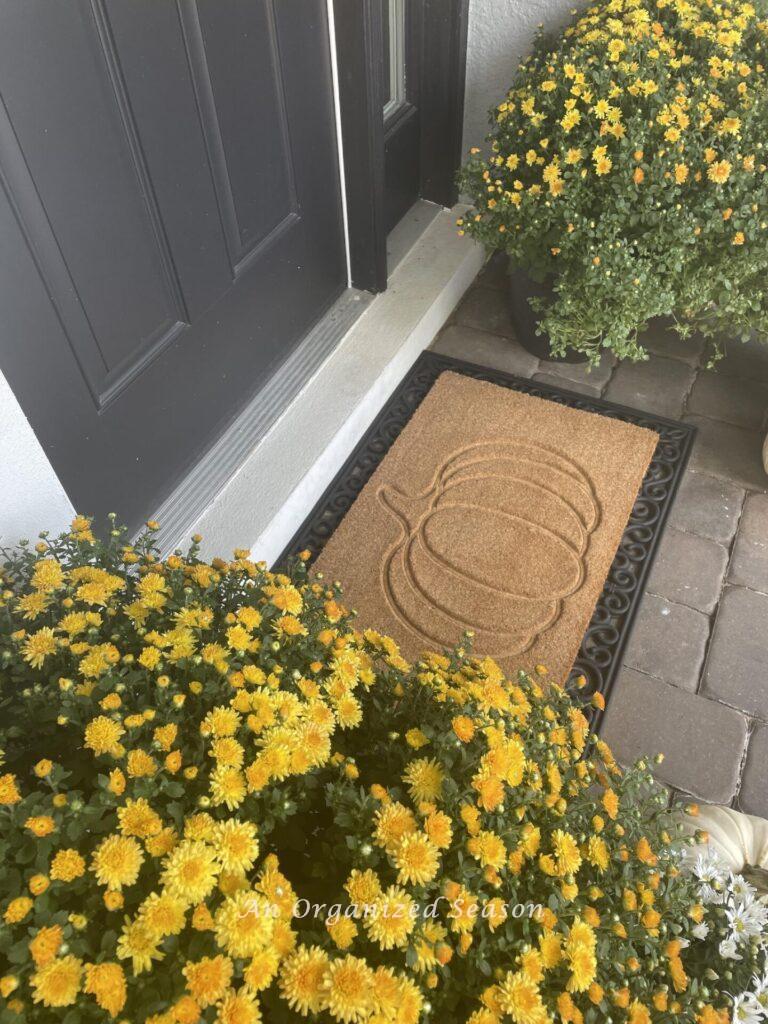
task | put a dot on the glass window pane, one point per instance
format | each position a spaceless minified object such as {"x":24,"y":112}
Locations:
{"x":394,"y":55}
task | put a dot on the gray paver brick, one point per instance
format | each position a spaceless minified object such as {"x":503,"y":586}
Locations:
{"x":749,"y":561}
{"x":689,"y":569}
{"x":702,"y":741}
{"x":707,"y":506}
{"x":748,"y":360}
{"x":734,"y":400}
{"x":658,"y":385}
{"x":753,"y":798}
{"x":660,"y":339}
{"x":737,"y":667}
{"x":486,"y":309}
{"x":581,"y":388}
{"x":596,"y":376}
{"x":463,"y":342}
{"x":733,"y":453}
{"x":668,"y":641}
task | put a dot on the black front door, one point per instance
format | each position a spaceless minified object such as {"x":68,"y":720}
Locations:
{"x":170,"y":224}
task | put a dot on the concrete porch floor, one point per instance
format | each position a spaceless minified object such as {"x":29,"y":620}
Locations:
{"x":694,"y":683}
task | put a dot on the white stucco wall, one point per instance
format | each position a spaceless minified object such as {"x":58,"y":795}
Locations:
{"x":500,"y":32}
{"x":31,"y":497}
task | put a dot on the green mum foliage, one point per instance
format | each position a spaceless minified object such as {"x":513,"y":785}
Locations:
{"x":628,"y":163}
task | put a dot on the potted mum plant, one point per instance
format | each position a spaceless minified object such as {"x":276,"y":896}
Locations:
{"x":626,"y":177}
{"x":221,"y":803}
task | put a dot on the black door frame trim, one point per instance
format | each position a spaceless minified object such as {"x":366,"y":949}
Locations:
{"x":442,"y":98}
{"x":359,"y":34}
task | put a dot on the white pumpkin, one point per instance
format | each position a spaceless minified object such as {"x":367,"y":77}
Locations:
{"x":739,"y":840}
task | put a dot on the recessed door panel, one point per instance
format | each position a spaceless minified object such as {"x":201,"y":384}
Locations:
{"x":252,"y":154}
{"x":76,"y":173}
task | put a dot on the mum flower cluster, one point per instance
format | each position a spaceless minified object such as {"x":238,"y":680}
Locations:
{"x":195,"y":750}
{"x":628,"y":164}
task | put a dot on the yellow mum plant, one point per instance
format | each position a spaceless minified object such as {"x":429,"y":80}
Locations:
{"x":628,"y":167}
{"x":222,"y":802}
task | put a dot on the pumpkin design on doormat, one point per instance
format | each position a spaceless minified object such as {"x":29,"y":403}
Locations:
{"x":494,"y":545}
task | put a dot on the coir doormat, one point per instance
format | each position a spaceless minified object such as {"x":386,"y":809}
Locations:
{"x":522,"y":512}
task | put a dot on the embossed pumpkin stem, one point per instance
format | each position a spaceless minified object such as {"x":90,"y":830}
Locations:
{"x":408,"y":508}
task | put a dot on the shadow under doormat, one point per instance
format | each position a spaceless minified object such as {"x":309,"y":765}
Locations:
{"x":523,"y":512}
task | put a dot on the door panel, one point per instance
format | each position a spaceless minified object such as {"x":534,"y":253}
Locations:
{"x":402,"y":171}
{"x":255,"y":183}
{"x":173,"y":224}
{"x":69,"y":112}
{"x":154,"y":62}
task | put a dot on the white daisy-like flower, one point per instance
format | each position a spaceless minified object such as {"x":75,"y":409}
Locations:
{"x":746,"y":1009}
{"x":760,"y":983}
{"x":728,"y":949}
{"x":740,"y":888}
{"x":760,"y":988}
{"x":708,"y":869}
{"x":747,"y":917}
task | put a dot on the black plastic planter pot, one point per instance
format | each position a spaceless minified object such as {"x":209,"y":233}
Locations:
{"x":524,"y":319}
